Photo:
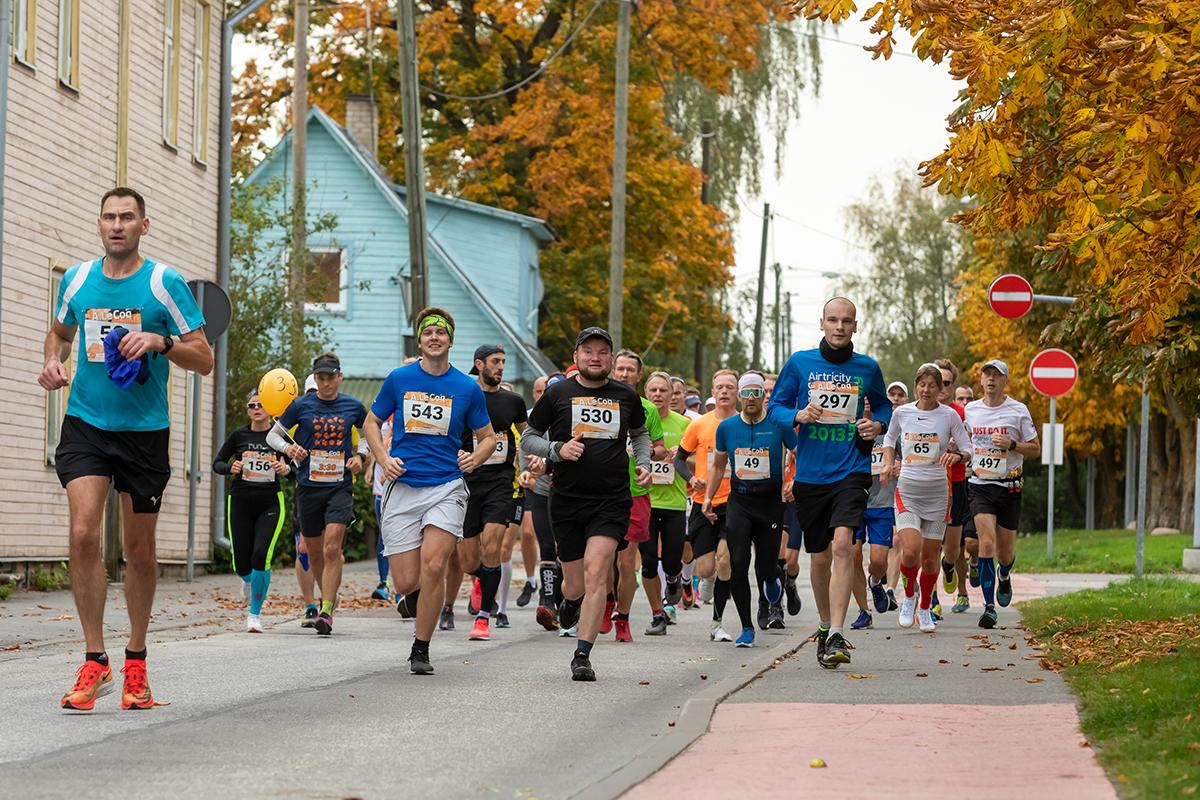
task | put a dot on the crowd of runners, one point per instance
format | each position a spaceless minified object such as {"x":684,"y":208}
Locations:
{"x":614,"y":482}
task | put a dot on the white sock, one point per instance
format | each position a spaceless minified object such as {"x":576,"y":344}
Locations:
{"x":505,"y":583}
{"x":687,"y":572}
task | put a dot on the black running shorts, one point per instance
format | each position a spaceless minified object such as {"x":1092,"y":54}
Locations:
{"x":702,"y":534}
{"x":491,"y":501}
{"x":318,"y":506}
{"x":575,"y":520}
{"x":820,"y":508}
{"x":959,"y":507}
{"x":997,"y":500}
{"x":137,"y":462}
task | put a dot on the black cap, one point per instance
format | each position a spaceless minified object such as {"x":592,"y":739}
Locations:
{"x":588,"y":333}
{"x":326,"y":363}
{"x":481,"y":354}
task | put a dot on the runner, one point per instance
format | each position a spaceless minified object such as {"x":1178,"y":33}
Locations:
{"x":668,"y":508}
{"x":581,"y":426}
{"x":898,"y":395}
{"x":679,"y":396}
{"x":627,"y":368}
{"x":116,"y":429}
{"x":758,"y":493}
{"x":823,"y":390}
{"x":927,"y":431}
{"x":952,"y":547}
{"x":425,"y":500}
{"x":325,"y":450}
{"x":254,"y":508}
{"x":1003,"y":436}
{"x":710,"y":551}
{"x":304,"y":576}
{"x":876,"y":531}
{"x":490,"y":504}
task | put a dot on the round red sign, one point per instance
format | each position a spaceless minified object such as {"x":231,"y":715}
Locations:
{"x":1010,"y":296}
{"x":1053,"y":372}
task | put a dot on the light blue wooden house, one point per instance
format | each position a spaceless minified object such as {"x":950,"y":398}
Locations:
{"x":483,"y":261}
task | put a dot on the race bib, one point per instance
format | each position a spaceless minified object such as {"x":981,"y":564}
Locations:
{"x":662,"y":472}
{"x":752,"y":464}
{"x":427,"y":414}
{"x":921,"y":448}
{"x":877,"y":457}
{"x":838,"y":401}
{"x":257,"y":467}
{"x":97,"y":322}
{"x":499,"y":453}
{"x":990,"y":463}
{"x":595,"y":418}
{"x":326,"y":466}
{"x":712,"y":454}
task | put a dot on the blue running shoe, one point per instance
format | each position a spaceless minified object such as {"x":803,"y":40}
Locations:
{"x":878,"y":596}
{"x":746,"y":639}
{"x":381,"y":593}
{"x":864,"y":621}
{"x":1004,"y":592}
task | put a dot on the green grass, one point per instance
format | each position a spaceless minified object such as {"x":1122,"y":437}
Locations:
{"x":1144,"y":718}
{"x":1110,"y":551}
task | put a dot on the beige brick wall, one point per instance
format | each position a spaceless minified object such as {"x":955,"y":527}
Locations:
{"x":62,"y":155}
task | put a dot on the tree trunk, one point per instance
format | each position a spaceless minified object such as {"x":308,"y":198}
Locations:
{"x":1162,"y":507}
{"x":1185,"y":430}
{"x":1110,"y":486}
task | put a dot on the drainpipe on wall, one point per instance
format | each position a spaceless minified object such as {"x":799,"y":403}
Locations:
{"x":5,"y":59}
{"x":224,"y":186}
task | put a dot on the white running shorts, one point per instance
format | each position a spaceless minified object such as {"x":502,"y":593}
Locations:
{"x":406,"y":510}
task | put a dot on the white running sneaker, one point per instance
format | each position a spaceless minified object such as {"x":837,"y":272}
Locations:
{"x":908,"y":607}
{"x":706,"y":589}
{"x":253,"y":623}
{"x":925,"y":619}
{"x":718,"y":634}
{"x":567,"y":632}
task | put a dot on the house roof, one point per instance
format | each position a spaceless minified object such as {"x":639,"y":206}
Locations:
{"x":529,"y":352}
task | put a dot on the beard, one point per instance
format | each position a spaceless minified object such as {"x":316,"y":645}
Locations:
{"x":597,"y":374}
{"x":490,"y":380}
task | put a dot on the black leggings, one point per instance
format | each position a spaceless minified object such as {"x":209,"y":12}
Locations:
{"x":669,"y":526}
{"x":539,"y":506}
{"x":253,"y":523}
{"x":752,"y":520}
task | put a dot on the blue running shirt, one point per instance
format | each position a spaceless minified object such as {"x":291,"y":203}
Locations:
{"x":755,"y":453}
{"x":154,"y":299}
{"x":324,"y":429}
{"x":432,"y":412}
{"x":827,"y":452}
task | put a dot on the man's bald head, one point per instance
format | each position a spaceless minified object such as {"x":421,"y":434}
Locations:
{"x":839,"y":321}
{"x":840,"y":306}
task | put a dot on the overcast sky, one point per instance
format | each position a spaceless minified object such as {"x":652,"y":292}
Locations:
{"x":871,"y":118}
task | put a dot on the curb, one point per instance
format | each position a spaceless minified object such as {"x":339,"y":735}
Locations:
{"x":690,"y":724}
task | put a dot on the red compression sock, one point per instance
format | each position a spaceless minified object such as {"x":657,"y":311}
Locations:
{"x":910,"y":579}
{"x":928,"y":581}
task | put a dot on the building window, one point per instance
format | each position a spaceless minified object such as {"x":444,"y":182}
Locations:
{"x":200,"y":71}
{"x":68,"y":43}
{"x":24,"y":24}
{"x":326,"y":281}
{"x":56,"y":401}
{"x":170,"y":95}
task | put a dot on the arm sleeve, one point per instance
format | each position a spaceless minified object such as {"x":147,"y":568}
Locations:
{"x":385,"y":402}
{"x":278,"y":437}
{"x":640,"y":439}
{"x":534,"y":442}
{"x":183,"y":314}
{"x":782,"y":408}
{"x":224,"y":455}
{"x":681,"y":465}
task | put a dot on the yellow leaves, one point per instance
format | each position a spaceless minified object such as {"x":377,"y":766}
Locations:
{"x":999,"y":158}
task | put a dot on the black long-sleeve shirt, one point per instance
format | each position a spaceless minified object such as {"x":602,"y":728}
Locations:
{"x":251,"y":448}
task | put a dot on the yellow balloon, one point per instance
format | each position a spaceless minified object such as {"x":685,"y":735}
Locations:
{"x":276,"y":391}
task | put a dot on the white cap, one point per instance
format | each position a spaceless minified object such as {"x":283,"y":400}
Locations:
{"x":751,"y":379}
{"x":997,"y":365}
{"x":894,"y":384}
{"x":310,"y":384}
{"x":711,"y":401}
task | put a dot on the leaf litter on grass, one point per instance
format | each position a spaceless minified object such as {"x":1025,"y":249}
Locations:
{"x":1112,"y":644}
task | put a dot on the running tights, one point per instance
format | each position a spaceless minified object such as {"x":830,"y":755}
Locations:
{"x":752,"y":521}
{"x":253,"y":523}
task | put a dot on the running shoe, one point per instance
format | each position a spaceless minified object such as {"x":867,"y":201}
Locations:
{"x":568,"y":614}
{"x":863,"y":621}
{"x":764,"y":612}
{"x":821,"y":638}
{"x":706,"y":589}
{"x":621,"y":625}
{"x":879,"y":596}
{"x":908,"y":609}
{"x":567,"y":633}
{"x":310,"y":617}
{"x":381,"y":593}
{"x":324,"y":624}
{"x":547,"y":618}
{"x":1003,"y":589}
{"x":775,"y":618}
{"x":502,"y":621}
{"x":674,"y":592}
{"x":949,"y":578}
{"x":527,"y":592}
{"x":476,"y":598}
{"x":606,"y":622}
{"x":446,"y":619}
{"x":581,"y":668}
{"x":973,"y":573}
{"x":658,"y":625}
{"x":418,"y":662}
{"x":671,"y":613}
{"x":481,"y":632}
{"x":989,"y":618}
{"x":92,"y":680}
{"x":686,"y":595}
{"x":793,"y":596}
{"x":406,"y":608}
{"x":253,"y":623}
{"x":936,"y":611}
{"x":961,"y":604}
{"x":925,"y":620}
{"x":135,"y":694}
{"x":718,"y":634}
{"x":746,"y":639}
{"x":892,"y":606}
{"x":837,"y":651}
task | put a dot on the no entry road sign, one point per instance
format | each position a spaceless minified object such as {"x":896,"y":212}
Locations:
{"x":1010,"y":296}
{"x":1053,"y":372}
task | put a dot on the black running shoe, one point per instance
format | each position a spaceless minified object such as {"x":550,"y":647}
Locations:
{"x":502,"y":621}
{"x":310,"y":617}
{"x":775,"y":618}
{"x":658,"y":625}
{"x":764,"y":613}
{"x":446,"y":619}
{"x":324,"y":624}
{"x":406,"y":606}
{"x":527,"y":592}
{"x":581,"y":668}
{"x":568,"y":614}
{"x":821,"y":637}
{"x":836,"y":650}
{"x":793,"y":596}
{"x":989,"y":618}
{"x":1004,"y":589}
{"x":674,"y":592}
{"x":892,"y":604}
{"x":418,"y":663}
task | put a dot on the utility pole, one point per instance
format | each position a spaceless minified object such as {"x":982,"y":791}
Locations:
{"x":756,"y":359}
{"x":299,"y":268}
{"x":706,"y":136}
{"x":616,"y":269}
{"x":777,"y":318}
{"x":414,"y":159}
{"x":787,"y":332}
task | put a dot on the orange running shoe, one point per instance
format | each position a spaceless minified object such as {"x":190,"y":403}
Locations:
{"x":136,"y":692}
{"x":481,"y":632}
{"x":622,"y":627}
{"x":92,"y":680}
{"x":606,"y":622}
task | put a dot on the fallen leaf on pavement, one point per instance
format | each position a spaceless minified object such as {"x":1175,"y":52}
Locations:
{"x":858,"y":676}
{"x":1034,"y":680}
{"x":991,"y":669}
{"x":922,"y":674}
{"x":817,"y":763}
{"x":43,"y":608}
{"x":703,"y":676}
{"x":1084,"y":743}
{"x":643,"y":683}
{"x":62,"y":617}
{"x":943,"y":661}
{"x":1012,"y":646}
{"x":671,"y":724}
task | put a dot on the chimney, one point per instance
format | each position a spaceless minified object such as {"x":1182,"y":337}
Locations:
{"x":361,"y":122}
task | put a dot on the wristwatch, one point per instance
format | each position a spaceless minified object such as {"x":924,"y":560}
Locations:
{"x":168,"y":343}
{"x":1012,"y":444}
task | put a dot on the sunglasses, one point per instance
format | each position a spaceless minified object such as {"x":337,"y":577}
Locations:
{"x":751,"y":391}
{"x":253,"y":406}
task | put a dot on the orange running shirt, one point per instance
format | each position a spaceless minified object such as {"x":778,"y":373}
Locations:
{"x":700,"y":438}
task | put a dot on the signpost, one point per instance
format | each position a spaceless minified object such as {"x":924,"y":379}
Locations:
{"x":1010,"y":296}
{"x":1053,"y":373}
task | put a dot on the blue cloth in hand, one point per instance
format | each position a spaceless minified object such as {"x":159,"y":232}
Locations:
{"x":123,"y":373}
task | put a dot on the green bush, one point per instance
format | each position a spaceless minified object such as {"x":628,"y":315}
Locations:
{"x":52,"y":578}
